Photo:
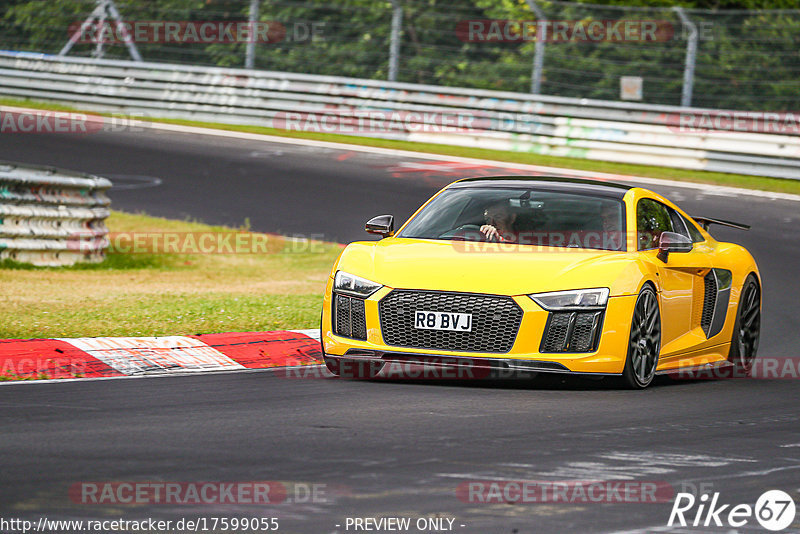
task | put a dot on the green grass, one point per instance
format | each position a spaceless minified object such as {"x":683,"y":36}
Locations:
{"x":734,"y":180}
{"x":167,"y":294}
{"x":169,"y":314}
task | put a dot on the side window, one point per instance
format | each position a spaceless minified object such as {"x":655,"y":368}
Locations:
{"x":652,"y":218}
{"x":678,"y":226}
{"x":694,"y":233}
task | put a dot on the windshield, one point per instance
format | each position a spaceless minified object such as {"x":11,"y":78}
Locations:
{"x":522,"y":216}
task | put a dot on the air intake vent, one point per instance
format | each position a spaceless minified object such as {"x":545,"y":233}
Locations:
{"x":349,"y":317}
{"x":572,"y":332}
{"x":709,"y":301}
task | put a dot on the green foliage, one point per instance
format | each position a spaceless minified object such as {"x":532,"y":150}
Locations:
{"x":746,"y":60}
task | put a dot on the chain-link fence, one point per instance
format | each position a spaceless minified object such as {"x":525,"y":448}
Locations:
{"x":718,"y":59}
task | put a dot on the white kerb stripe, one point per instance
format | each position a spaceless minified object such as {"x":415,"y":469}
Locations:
{"x":137,"y":355}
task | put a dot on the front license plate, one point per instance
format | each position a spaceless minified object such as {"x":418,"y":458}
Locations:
{"x":427,"y":320}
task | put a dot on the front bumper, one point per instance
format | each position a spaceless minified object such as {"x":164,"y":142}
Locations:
{"x":609,"y":358}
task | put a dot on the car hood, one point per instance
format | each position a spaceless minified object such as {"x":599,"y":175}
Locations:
{"x":489,"y":268}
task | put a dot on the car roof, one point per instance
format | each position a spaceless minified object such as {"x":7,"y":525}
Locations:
{"x":562,"y":184}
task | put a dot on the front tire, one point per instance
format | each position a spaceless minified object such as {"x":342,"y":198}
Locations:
{"x":747,"y":328}
{"x":644,"y":344}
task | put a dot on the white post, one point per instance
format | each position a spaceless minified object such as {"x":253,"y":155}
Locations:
{"x":394,"y":44}
{"x":691,"y":58}
{"x":538,"y":54}
{"x":250,"y":52}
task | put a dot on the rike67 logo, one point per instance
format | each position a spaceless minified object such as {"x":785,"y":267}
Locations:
{"x":774,"y":510}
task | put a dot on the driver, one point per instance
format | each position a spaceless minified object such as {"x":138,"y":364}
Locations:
{"x":499,"y":222}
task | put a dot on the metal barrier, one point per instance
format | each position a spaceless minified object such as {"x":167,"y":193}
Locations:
{"x":625,"y":132}
{"x":50,"y":217}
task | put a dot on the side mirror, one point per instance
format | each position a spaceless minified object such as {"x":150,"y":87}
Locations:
{"x":382,"y":225}
{"x":672,"y":242}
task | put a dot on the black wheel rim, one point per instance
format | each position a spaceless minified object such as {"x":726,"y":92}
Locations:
{"x":749,"y":326}
{"x":645,"y":338}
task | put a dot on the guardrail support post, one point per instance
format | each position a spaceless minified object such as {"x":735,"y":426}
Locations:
{"x":394,"y":44}
{"x":250,"y":52}
{"x":691,"y":57}
{"x":538,"y":56}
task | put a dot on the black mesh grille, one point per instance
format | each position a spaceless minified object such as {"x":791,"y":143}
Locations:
{"x":359,"y":319}
{"x":495,"y":321}
{"x":556,"y":333}
{"x":709,"y":300}
{"x":572,"y":332}
{"x":583,"y":334}
{"x":342,"y":313}
{"x":350,"y":318}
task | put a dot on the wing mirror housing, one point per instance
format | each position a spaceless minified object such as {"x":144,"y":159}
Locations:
{"x":382,"y":225}
{"x":672,"y":242}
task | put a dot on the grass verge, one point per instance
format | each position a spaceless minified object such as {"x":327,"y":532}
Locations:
{"x":167,"y":294}
{"x":717,"y":178}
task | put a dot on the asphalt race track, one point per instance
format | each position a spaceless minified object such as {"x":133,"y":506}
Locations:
{"x":389,"y":448}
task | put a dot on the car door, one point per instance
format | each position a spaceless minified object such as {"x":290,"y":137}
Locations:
{"x":680,"y":278}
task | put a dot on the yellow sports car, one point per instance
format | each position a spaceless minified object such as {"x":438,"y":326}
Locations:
{"x":544,"y":274}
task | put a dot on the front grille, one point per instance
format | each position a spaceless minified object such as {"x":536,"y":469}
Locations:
{"x":350,"y":317}
{"x":709,"y":301}
{"x":572,"y":332}
{"x":495,"y":321}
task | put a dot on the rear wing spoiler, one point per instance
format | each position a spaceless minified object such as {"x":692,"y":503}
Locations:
{"x":705,"y":222}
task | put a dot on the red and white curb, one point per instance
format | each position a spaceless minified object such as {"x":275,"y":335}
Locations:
{"x":97,"y":357}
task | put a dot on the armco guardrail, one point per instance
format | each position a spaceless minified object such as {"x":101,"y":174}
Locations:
{"x":52,"y":217}
{"x":602,"y":130}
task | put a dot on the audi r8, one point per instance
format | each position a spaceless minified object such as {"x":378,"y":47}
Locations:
{"x":545,"y":274}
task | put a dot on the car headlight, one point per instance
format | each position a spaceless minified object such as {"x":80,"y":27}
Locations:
{"x":567,"y":300}
{"x":350,"y":284}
